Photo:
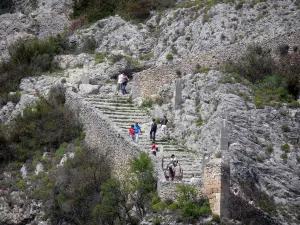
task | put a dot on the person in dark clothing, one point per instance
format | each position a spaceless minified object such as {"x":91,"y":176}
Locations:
{"x":153,"y":129}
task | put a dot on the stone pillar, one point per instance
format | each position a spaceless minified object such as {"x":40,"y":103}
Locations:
{"x":217,"y":177}
{"x":178,"y":94}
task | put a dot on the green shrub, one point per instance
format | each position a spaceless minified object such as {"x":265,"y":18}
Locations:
{"x":283,"y":112}
{"x":216,"y":218}
{"x":147,"y":56}
{"x":27,"y":58}
{"x":169,"y":57}
{"x":45,"y":125}
{"x":270,"y":149}
{"x":294,"y":104}
{"x":21,"y":184}
{"x":205,"y":18}
{"x":199,"y":121}
{"x":173,"y":207}
{"x":298,"y":159}
{"x":147,"y":103}
{"x":285,"y":128}
{"x":157,"y":220}
{"x":197,"y":108}
{"x":218,"y":155}
{"x":99,"y":57}
{"x":285,"y":147}
{"x":260,"y":158}
{"x":159,"y":207}
{"x":239,"y":5}
{"x":203,"y":70}
{"x":159,"y":101}
{"x":62,"y":150}
{"x":284,"y":156}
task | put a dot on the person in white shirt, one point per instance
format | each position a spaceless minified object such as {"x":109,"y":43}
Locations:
{"x":120,"y":81}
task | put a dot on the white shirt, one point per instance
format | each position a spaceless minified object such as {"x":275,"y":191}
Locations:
{"x":121,"y":78}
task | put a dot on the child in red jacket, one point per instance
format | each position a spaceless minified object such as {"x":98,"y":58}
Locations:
{"x":132,"y":132}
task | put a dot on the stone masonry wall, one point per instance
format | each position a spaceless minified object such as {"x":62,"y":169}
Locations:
{"x":216,"y":186}
{"x":101,"y":134}
{"x":148,"y":82}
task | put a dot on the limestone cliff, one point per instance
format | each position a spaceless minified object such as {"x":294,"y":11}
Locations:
{"x":176,"y":44}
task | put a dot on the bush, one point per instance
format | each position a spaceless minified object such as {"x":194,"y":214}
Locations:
{"x":45,"y":125}
{"x":30,"y":57}
{"x":285,"y":148}
{"x":203,"y":70}
{"x":159,"y":207}
{"x":260,"y":158}
{"x":255,"y":64}
{"x":21,"y":184}
{"x":294,"y":104}
{"x":169,"y":57}
{"x":270,"y":149}
{"x":147,"y":103}
{"x":285,"y":128}
{"x":157,"y":220}
{"x":216,"y":218}
{"x":173,"y":207}
{"x":284,"y":156}
{"x":134,"y":9}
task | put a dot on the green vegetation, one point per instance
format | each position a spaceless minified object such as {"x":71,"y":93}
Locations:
{"x":218,"y":155}
{"x":27,"y":58}
{"x":199,"y":121}
{"x":260,"y":158}
{"x":147,"y":103}
{"x":286,"y":148}
{"x":133,"y":9}
{"x":270,"y":149}
{"x":43,"y":126}
{"x":285,"y":128}
{"x":169,"y":57}
{"x":99,"y":57}
{"x":191,"y":207}
{"x":273,"y":83}
{"x":138,"y":190}
{"x":203,"y":70}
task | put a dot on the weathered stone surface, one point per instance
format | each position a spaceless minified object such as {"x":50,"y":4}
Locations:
{"x":86,"y":89}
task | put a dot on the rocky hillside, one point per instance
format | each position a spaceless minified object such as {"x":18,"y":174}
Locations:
{"x":191,"y":41}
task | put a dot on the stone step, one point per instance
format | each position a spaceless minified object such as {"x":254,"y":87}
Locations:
{"x":119,"y":108}
{"x":128,"y":117}
{"x":111,"y":103}
{"x":120,"y":113}
{"x":119,"y":97}
{"x":121,"y":101}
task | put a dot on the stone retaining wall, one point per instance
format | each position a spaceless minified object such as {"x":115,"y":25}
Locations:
{"x":148,"y":82}
{"x":101,"y":133}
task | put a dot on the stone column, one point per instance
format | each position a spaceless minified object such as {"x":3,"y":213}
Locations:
{"x":178,"y":94}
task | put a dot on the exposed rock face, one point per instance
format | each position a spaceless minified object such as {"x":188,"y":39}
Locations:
{"x":192,"y":37}
{"x":41,"y":20}
{"x":251,"y":132}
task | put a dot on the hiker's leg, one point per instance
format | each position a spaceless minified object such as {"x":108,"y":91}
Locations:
{"x":154,"y":135}
{"x":136,"y":137}
{"x":123,"y":89}
{"x":151,"y":134}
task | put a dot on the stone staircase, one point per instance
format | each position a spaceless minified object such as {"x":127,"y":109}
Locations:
{"x":124,"y":113}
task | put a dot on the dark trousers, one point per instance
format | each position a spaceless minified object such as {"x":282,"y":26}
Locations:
{"x":123,"y":88}
{"x":152,"y":134}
